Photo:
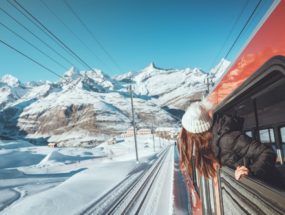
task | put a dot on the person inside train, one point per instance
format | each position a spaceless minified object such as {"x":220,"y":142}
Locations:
{"x":223,"y":143}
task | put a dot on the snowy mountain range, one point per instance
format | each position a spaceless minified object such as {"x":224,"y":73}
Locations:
{"x":172,"y":88}
{"x":87,"y":107}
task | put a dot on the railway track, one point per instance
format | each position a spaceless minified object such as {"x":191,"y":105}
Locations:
{"x":130,"y":194}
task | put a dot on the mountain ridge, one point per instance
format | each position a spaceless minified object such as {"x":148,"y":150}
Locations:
{"x":86,"y":107}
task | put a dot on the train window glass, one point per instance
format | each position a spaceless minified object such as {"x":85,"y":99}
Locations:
{"x":249,"y":133}
{"x":282,"y":132}
{"x":267,"y":135}
{"x":271,"y":103}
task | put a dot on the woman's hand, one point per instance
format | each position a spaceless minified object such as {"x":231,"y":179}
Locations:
{"x":241,"y":171}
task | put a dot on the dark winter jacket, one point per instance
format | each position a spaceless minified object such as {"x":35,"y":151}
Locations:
{"x":233,"y":148}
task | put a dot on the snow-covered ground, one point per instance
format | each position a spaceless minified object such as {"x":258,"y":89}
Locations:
{"x":42,"y":180}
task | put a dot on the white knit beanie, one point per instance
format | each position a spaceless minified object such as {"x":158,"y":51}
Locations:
{"x":196,"y":118}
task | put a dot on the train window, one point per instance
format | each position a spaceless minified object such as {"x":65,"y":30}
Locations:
{"x":267,"y":136}
{"x":282,"y":132}
{"x":249,"y":133}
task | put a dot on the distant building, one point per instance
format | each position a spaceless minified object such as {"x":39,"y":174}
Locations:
{"x":128,"y":133}
{"x":167,"y":132}
{"x":52,"y":145}
{"x":144,"y":131}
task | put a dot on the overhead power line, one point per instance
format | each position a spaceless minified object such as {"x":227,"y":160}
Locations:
{"x":39,"y":50}
{"x":20,"y":8}
{"x":19,"y":23}
{"x":46,"y":44}
{"x":245,"y":25}
{"x":31,"y":59}
{"x":92,"y":34}
{"x":41,"y":65}
{"x":230,"y":32}
{"x":71,"y":31}
{"x":51,"y":34}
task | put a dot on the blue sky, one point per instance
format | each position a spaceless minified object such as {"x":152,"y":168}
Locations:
{"x":171,"y":33}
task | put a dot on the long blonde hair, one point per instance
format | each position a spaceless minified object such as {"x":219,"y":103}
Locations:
{"x":204,"y":156}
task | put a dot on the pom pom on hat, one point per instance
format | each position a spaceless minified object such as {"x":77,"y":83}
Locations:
{"x":196,"y":118}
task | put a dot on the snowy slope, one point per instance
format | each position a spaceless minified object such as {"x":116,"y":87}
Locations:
{"x":75,"y":116}
{"x":42,"y":180}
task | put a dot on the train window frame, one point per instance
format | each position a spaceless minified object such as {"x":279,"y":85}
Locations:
{"x":270,"y":132}
{"x":280,"y":127}
{"x":281,"y":140}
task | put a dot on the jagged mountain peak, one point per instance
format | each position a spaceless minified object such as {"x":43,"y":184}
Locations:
{"x":151,"y":66}
{"x":92,"y":80}
{"x":72,"y":73}
{"x":95,"y":74}
{"x":31,"y":84}
{"x":10,"y":80}
{"x":147,"y":72}
{"x":197,"y":70}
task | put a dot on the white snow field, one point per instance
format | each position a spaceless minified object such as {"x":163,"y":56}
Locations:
{"x":40,"y":180}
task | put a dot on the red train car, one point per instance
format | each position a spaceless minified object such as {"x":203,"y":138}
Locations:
{"x":253,"y":88}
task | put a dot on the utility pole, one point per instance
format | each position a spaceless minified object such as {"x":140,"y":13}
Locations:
{"x":209,"y":82}
{"x":134,"y":123}
{"x":152,"y":131}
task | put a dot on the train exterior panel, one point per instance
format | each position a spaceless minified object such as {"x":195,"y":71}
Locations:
{"x":267,"y":42}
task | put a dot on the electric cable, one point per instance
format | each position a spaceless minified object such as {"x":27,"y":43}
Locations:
{"x":230,"y":32}
{"x":92,"y":34}
{"x":39,"y":50}
{"x":31,"y":59}
{"x":50,"y":33}
{"x":46,"y":44}
{"x":248,"y":20}
{"x":72,"y":32}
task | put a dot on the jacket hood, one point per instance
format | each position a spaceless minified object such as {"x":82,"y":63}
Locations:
{"x":226,"y":123}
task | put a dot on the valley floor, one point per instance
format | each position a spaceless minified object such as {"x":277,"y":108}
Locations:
{"x":42,"y":180}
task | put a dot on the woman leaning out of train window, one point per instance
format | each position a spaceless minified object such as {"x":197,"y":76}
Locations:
{"x":224,"y":144}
